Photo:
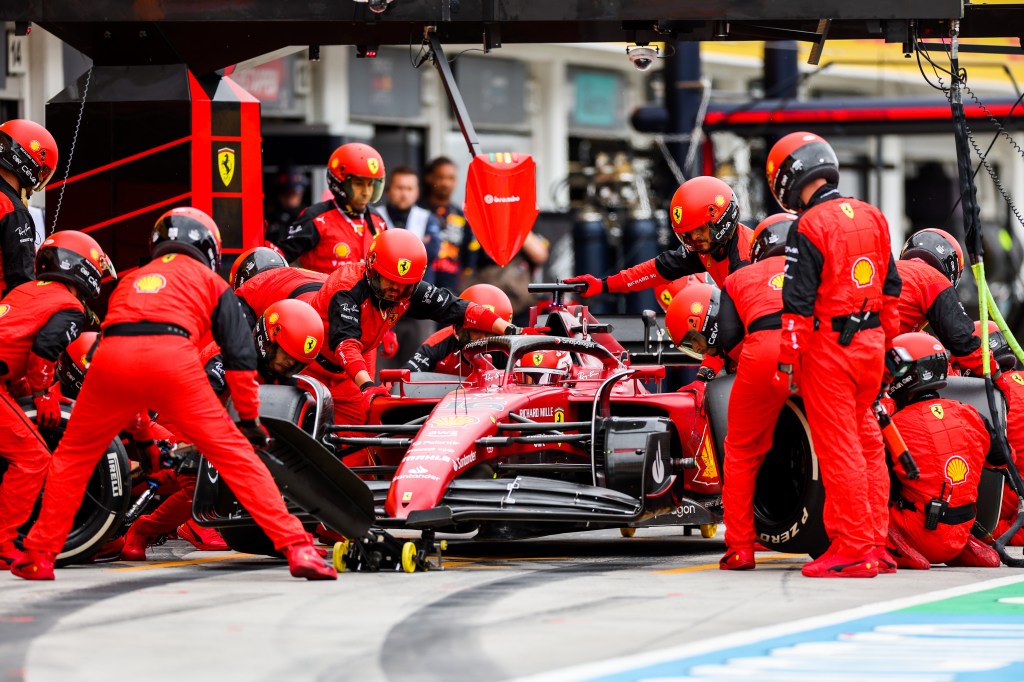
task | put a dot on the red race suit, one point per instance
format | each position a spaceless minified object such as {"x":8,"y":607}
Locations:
{"x":37,"y":322}
{"x":357,"y":321}
{"x":929,"y":298}
{"x":17,"y":241}
{"x":326,"y":235}
{"x":1012,"y":386}
{"x":750,"y":319}
{"x":147,"y":358}
{"x":949,"y":441}
{"x":839,"y":263}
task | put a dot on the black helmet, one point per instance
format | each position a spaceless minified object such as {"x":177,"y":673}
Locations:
{"x":918,"y":364}
{"x":253,"y":262}
{"x":73,"y":258}
{"x":938,"y":249}
{"x":188,"y":231}
{"x":770,"y":236}
{"x":794,"y":161}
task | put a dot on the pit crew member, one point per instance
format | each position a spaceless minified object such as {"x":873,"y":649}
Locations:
{"x":839,"y":309}
{"x":153,"y":317}
{"x":38,"y":319}
{"x":934,"y":513}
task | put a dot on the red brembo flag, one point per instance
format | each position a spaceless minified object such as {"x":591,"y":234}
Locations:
{"x":501,"y":202}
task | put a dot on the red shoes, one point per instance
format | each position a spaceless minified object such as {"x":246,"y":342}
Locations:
{"x":8,"y":555}
{"x":34,"y":564}
{"x":831,"y":565}
{"x":886,"y":562}
{"x":327,"y":536}
{"x":737,"y":560}
{"x":204,"y":539}
{"x":975,"y":553}
{"x":904,"y":553}
{"x":305,"y":562}
{"x":135,"y":544}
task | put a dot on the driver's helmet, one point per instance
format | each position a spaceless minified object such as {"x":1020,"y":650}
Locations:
{"x":692,"y":319}
{"x":293,"y":326}
{"x":28,"y":150}
{"x":923,"y":366}
{"x":72,"y":363}
{"x":254,"y":261}
{"x":938,"y":249}
{"x":74,"y":258}
{"x":704,"y":201}
{"x":998,"y":348}
{"x":354,"y":159}
{"x":666,"y":293}
{"x":543,"y":368}
{"x":398,"y":256}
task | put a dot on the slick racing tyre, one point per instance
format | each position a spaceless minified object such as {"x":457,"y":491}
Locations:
{"x":107,"y":495}
{"x":789,"y":496}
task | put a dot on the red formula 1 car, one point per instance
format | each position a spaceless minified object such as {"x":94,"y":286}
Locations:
{"x":592,"y":447}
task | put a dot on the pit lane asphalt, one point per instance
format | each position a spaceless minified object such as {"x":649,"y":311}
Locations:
{"x":499,"y":610}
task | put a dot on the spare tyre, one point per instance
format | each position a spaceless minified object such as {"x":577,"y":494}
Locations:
{"x":789,"y":495}
{"x":106,"y":500}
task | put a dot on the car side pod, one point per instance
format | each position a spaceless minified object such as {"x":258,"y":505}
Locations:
{"x":311,"y":477}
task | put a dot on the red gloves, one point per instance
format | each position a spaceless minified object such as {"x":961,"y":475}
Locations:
{"x":372,"y":391}
{"x":697,"y":387}
{"x":254,"y":432}
{"x":389,"y":344}
{"x":166,"y":481}
{"x":48,"y":414}
{"x":783,"y":381}
{"x":595,"y":286}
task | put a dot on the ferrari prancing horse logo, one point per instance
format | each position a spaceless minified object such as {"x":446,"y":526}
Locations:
{"x":847,"y":209}
{"x":226,"y":164}
{"x":538,"y":358}
{"x":373,"y":165}
{"x":677,"y":214}
{"x":937,"y":411}
{"x":403,"y":266}
{"x":309,"y":345}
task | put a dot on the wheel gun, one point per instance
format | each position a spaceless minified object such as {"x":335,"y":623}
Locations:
{"x":894,"y":441}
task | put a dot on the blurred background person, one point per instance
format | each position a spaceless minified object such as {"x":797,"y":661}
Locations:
{"x":285,"y":202}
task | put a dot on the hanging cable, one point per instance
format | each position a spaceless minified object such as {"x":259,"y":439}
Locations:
{"x":71,"y":152}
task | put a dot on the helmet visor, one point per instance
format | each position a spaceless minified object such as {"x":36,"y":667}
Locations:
{"x":698,"y":239}
{"x":695,"y":345}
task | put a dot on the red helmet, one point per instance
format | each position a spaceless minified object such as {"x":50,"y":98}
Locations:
{"x":666,"y":293}
{"x":918,"y":363}
{"x":355,"y":159}
{"x":692,"y":319}
{"x":253,"y":262}
{"x":770,"y":236}
{"x":938,"y":249}
{"x":293,"y":326}
{"x":490,"y":296}
{"x":543,"y":367}
{"x":73,"y":362}
{"x":398,"y":256}
{"x":704,"y":201}
{"x":188,"y":231}
{"x":794,"y":161}
{"x":74,"y":258}
{"x":29,"y":151}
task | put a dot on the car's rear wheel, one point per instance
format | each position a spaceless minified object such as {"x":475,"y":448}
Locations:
{"x":107,"y":495}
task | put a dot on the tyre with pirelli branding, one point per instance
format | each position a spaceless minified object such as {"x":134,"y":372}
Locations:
{"x":789,"y":495}
{"x":107,"y":495}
